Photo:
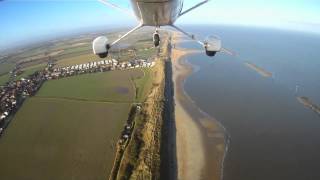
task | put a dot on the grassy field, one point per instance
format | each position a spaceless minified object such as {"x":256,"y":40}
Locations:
{"x":6,"y":67}
{"x":115,"y":86}
{"x":4,"y":78}
{"x":68,"y":131}
{"x":143,"y":85}
{"x":61,"y":139}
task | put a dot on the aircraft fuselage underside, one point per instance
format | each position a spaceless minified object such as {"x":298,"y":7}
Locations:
{"x":157,"y":12}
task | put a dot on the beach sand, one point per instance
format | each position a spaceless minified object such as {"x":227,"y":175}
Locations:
{"x":200,"y":139}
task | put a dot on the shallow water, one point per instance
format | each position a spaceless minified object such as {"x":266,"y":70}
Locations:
{"x":272,"y":135}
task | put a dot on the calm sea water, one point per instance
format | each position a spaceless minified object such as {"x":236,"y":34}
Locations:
{"x":273,"y":137}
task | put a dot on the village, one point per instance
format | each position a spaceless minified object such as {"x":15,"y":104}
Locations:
{"x":13,"y":94}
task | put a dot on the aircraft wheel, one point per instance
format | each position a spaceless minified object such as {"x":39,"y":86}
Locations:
{"x":156,"y":39}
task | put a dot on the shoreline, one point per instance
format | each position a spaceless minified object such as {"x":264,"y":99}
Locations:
{"x":201,"y":140}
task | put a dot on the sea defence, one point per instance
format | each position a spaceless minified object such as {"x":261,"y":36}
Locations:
{"x":309,"y":104}
{"x":258,"y":69}
{"x":201,"y":141}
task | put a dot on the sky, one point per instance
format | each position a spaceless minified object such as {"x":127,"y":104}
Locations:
{"x":26,"y":20}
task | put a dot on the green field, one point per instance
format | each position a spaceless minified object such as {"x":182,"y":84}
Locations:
{"x":143,"y":85}
{"x":62,"y":140}
{"x":6,"y":67}
{"x":69,"y":129}
{"x":115,"y":86}
{"x":4,"y":78}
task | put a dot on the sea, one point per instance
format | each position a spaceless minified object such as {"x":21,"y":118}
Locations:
{"x":272,"y":135}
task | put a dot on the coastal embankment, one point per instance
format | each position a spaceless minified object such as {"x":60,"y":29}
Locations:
{"x":141,"y":157}
{"x":201,"y":141}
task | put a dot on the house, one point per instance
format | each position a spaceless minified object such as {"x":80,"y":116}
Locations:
{"x":144,"y":64}
{"x":115,"y":62}
{"x":138,"y":108}
{"x":126,"y":136}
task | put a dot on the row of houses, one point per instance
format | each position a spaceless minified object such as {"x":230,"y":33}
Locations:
{"x":98,"y":66}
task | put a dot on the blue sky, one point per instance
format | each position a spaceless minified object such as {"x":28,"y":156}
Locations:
{"x":22,"y":20}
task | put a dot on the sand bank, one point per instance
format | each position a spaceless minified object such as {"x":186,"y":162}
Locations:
{"x":200,"y":139}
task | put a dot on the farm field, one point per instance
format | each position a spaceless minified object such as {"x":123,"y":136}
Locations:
{"x":5,"y":68}
{"x":4,"y":78}
{"x":61,"y":139}
{"x":112,"y":86}
{"x":69,"y":129}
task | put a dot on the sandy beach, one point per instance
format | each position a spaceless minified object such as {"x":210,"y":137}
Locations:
{"x":200,"y":141}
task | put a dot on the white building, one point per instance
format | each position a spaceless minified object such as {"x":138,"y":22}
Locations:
{"x":2,"y":117}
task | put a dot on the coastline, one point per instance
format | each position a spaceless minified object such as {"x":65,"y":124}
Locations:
{"x":201,"y":140}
